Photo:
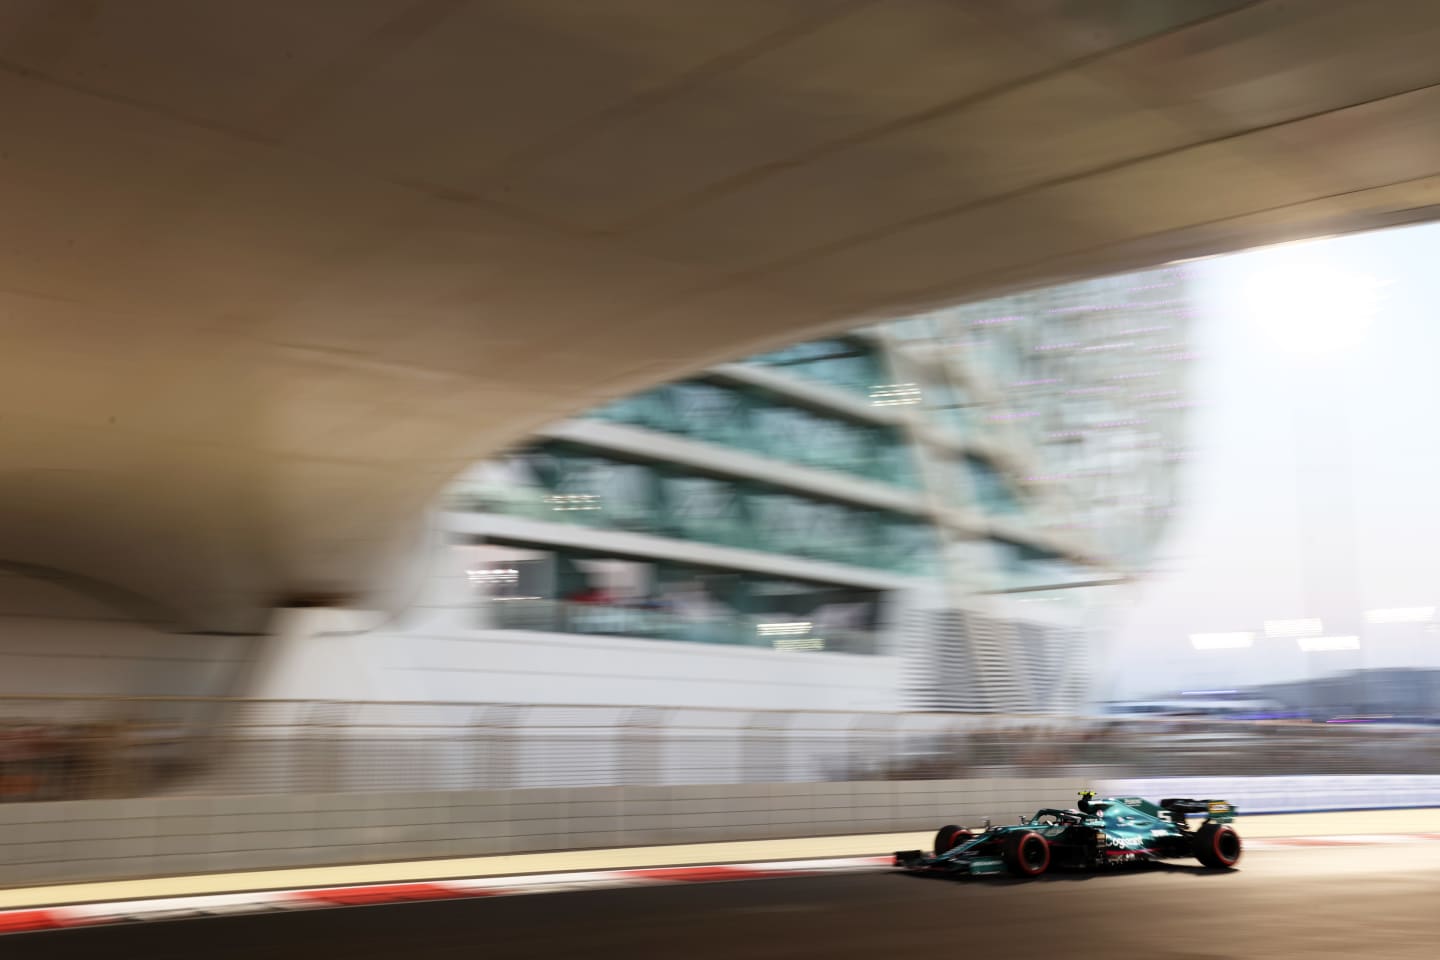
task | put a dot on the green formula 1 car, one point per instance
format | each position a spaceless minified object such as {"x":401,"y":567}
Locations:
{"x":1100,"y":833}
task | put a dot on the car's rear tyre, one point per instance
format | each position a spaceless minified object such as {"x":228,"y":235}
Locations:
{"x":1217,"y":845}
{"x":949,"y":837}
{"x":1026,"y":854}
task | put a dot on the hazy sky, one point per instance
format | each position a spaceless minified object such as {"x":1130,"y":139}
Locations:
{"x":1315,"y":485}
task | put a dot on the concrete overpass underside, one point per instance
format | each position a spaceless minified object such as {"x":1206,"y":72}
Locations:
{"x":272,"y":272}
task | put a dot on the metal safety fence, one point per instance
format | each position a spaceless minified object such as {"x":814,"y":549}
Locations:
{"x":54,"y":748}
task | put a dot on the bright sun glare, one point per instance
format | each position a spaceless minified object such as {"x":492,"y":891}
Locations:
{"x":1309,"y":301}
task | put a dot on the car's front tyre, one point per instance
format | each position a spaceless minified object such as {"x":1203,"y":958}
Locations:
{"x":949,"y":837}
{"x":1217,"y":845}
{"x":1026,"y":854}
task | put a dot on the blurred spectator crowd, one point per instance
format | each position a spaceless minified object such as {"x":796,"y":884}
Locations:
{"x":52,"y":762}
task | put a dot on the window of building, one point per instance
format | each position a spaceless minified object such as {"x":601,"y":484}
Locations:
{"x":757,"y":422}
{"x":948,"y":405}
{"x":847,"y":364}
{"x":564,"y":483}
{"x":572,"y":590}
{"x":992,"y":489}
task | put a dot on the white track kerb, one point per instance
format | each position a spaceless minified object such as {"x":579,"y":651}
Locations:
{"x":53,"y":908}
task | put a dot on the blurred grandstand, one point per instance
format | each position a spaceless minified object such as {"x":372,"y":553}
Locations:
{"x":90,"y":748}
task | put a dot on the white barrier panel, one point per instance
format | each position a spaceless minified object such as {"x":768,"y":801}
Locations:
{"x":82,"y":840}
{"x":1290,"y":794}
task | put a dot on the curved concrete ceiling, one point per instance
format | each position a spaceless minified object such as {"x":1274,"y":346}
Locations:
{"x":271,"y":272}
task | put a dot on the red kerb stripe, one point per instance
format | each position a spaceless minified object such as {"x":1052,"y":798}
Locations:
{"x":385,"y":893}
{"x":14,"y":921}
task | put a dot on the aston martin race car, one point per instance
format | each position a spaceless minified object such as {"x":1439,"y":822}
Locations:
{"x":1099,"y":833}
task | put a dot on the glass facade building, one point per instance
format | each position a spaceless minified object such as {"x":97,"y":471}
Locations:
{"x":569,"y":483}
{"x":956,"y":488}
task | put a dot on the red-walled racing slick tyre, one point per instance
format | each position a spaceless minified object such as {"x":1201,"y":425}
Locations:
{"x":1026,"y":854}
{"x":1217,"y":845}
{"x":950,"y":836}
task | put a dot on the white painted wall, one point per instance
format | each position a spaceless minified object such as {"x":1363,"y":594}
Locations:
{"x":435,"y":653}
{"x":513,"y":666}
{"x":530,"y":667}
{"x":57,"y":640}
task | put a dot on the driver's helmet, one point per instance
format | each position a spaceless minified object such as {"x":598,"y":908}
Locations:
{"x":1085,"y":805}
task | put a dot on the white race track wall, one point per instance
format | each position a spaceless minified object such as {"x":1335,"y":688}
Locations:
{"x":1290,"y":794}
{"x":113,"y":839}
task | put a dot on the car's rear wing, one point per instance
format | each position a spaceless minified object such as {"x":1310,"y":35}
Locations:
{"x":1221,"y":811}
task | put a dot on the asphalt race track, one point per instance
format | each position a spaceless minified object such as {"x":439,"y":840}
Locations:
{"x":1360,"y":902}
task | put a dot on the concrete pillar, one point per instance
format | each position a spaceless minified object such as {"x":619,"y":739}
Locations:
{"x":322,"y":653}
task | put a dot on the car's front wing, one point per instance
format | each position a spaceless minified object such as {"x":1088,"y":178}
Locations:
{"x":917,"y":861}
